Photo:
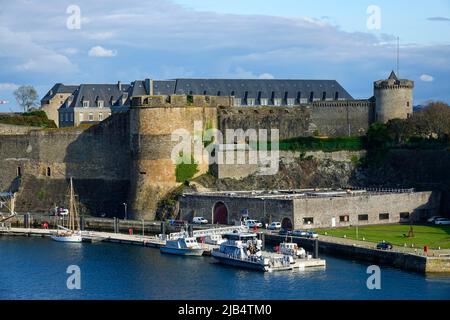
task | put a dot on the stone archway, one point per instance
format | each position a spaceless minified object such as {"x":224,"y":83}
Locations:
{"x":286,"y":224}
{"x":220,"y":213}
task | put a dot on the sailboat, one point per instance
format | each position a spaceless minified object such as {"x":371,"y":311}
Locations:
{"x":72,"y":233}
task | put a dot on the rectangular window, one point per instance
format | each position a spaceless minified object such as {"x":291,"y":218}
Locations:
{"x":81,"y":117}
{"x":345,"y":218}
{"x":336,"y":95}
{"x":100,"y":116}
{"x":237,"y":102}
{"x":100,"y":103}
{"x":299,"y":97}
{"x":277,"y":102}
{"x":264,"y":101}
{"x":363,"y":217}
{"x":250,"y":101}
{"x":91,"y":116}
{"x":85,"y":104}
{"x":404,"y":216}
{"x":19,"y":171}
{"x":290,"y":102}
{"x":308,"y":221}
{"x":324,"y":95}
{"x":311,"y":96}
{"x":384,"y":216}
{"x":303,"y":100}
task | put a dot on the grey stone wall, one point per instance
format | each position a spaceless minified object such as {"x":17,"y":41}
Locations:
{"x":97,"y":158}
{"x":419,"y":205}
{"x":263,"y":210}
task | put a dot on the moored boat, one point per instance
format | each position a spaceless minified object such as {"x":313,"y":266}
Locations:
{"x":72,"y":233}
{"x":184,"y":246}
{"x":244,"y":250}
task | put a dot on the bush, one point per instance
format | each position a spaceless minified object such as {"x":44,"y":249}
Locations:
{"x":186,"y":171}
{"x":322,"y":144}
{"x":32,"y":119}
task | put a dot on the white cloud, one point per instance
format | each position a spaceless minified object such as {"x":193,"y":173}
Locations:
{"x":6,"y":86}
{"x":99,"y":51}
{"x":426,"y":78}
{"x":266,"y":76}
{"x":70,"y":51}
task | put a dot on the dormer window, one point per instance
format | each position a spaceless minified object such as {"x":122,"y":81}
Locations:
{"x":100,"y":103}
{"x":85,"y":104}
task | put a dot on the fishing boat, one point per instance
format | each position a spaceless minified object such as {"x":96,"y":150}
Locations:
{"x":72,"y":233}
{"x":183,"y":246}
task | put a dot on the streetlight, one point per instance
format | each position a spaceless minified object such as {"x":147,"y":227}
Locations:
{"x":125,"y":207}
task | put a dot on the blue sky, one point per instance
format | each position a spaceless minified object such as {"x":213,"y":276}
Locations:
{"x":136,"y":39}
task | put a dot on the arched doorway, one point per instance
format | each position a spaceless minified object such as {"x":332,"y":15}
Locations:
{"x":286,"y":224}
{"x":220,"y":214}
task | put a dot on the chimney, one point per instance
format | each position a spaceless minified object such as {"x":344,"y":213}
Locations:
{"x":149,"y":86}
{"x":119,"y":85}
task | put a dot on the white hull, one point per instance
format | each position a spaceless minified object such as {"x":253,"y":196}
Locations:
{"x":68,"y":238}
{"x":182,"y":251}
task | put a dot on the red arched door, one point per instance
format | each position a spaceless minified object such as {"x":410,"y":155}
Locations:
{"x":286,"y":224}
{"x":220,"y":213}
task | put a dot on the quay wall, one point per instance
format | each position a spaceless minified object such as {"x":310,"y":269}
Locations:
{"x":404,"y":261}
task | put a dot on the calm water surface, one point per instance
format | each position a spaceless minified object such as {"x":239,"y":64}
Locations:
{"x":35,"y":268}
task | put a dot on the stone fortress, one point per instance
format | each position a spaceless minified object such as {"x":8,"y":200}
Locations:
{"x":125,"y":158}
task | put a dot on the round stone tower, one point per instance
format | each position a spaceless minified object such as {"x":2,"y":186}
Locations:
{"x":153,"y":120}
{"x":393,"y":98}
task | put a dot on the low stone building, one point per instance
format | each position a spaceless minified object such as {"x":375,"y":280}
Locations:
{"x":306,"y":209}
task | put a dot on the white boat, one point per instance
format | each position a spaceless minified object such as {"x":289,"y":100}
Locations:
{"x":215,"y":239}
{"x":72,"y":233}
{"x":292,"y":249}
{"x":245,"y":251}
{"x":183,"y":246}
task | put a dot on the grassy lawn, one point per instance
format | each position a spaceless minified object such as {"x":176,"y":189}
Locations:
{"x":432,"y":236}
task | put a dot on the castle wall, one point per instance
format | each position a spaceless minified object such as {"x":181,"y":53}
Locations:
{"x":153,"y":172}
{"x":97,"y":159}
{"x":290,"y":121}
{"x":342,"y":118}
{"x":333,"y":118}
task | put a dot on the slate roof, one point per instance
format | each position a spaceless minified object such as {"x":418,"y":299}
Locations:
{"x":57,"y":89}
{"x":240,"y":88}
{"x":110,"y":94}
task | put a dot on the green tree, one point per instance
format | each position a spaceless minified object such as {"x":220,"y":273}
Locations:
{"x":26,"y":97}
{"x":378,"y":135}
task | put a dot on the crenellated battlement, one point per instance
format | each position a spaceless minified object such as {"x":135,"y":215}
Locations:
{"x":167,"y":101}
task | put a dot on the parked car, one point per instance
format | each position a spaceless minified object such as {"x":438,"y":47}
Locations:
{"x":300,"y":233}
{"x":312,"y":235}
{"x":177,"y":222}
{"x":199,"y":220}
{"x":274,"y":226}
{"x":285,"y":232}
{"x":253,"y":223}
{"x":63,"y":212}
{"x":384,"y":246}
{"x":442,"y":221}
{"x":433,"y":219}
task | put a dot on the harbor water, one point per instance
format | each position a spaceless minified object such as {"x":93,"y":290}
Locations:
{"x":35,"y":268}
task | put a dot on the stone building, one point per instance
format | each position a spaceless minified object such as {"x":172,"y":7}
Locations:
{"x":323,"y":106}
{"x":55,"y":98}
{"x":307,"y":209}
